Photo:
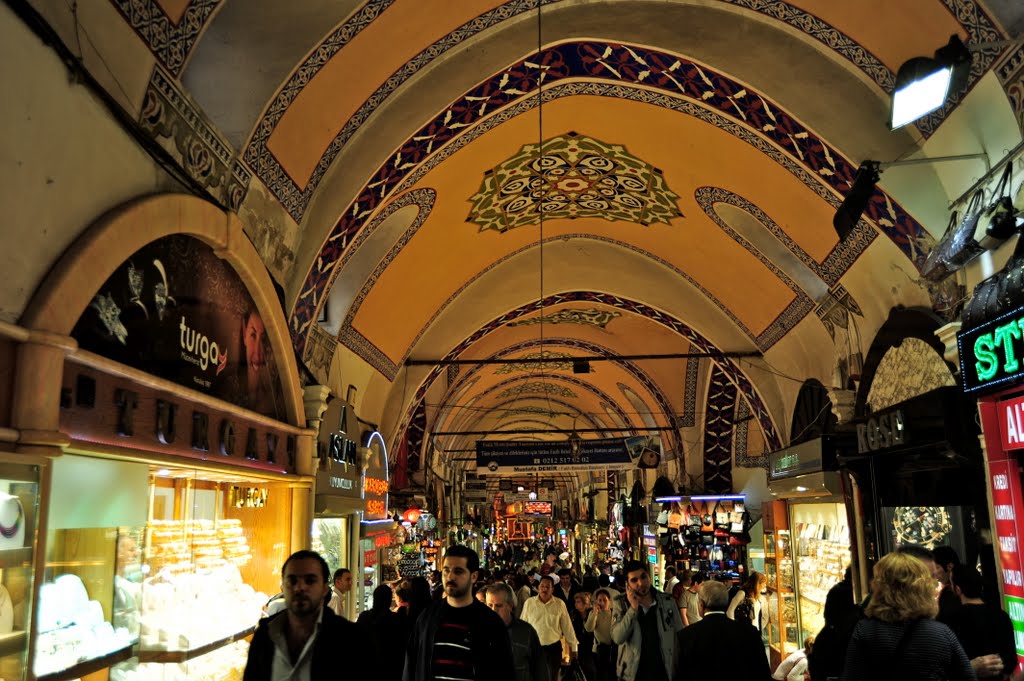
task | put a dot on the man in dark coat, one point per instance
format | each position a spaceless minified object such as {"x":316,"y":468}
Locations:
{"x":717,"y":647}
{"x":459,"y":638}
{"x":304,"y":641}
{"x":566,"y":588}
{"x":531,"y":664}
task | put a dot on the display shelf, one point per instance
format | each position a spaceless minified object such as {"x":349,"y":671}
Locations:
{"x":13,"y":642}
{"x":89,"y":666}
{"x":177,"y":656}
{"x":16,"y":558}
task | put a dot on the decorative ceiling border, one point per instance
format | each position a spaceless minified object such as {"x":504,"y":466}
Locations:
{"x":706,"y":94}
{"x":631,"y":368}
{"x":740,"y":449}
{"x":718,"y":429}
{"x":296,"y":200}
{"x":688,"y":418}
{"x":701,"y":344}
{"x":171,"y":43}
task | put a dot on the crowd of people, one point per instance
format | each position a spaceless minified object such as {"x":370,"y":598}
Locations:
{"x":544,"y":620}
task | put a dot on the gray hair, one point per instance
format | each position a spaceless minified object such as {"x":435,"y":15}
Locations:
{"x":505,"y":590}
{"x":714,"y":596}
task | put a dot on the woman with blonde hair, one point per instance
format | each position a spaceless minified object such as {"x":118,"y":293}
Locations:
{"x":898,"y":638}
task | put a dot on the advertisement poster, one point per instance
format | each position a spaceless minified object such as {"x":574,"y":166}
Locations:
{"x":177,"y":311}
{"x":513,"y":456}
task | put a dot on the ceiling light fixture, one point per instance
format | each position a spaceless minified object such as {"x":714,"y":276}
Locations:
{"x":924,"y":84}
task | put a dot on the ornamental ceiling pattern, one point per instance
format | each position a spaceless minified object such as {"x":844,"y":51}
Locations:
{"x":550,"y":363}
{"x":537,"y":388}
{"x":910,"y":369}
{"x":591,"y":317}
{"x":572,"y":176}
{"x":732,"y":106}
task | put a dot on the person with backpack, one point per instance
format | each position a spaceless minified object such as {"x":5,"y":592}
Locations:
{"x":749,"y":604}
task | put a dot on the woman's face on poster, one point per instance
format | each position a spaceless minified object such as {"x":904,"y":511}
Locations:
{"x":253,"y":337}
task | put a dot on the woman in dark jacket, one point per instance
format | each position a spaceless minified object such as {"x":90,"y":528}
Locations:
{"x":898,"y":638}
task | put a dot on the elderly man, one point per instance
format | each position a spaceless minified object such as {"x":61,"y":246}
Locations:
{"x":531,"y":664}
{"x":719,"y":647}
{"x":304,"y":641}
{"x":644,"y":626}
{"x":549,"y":616}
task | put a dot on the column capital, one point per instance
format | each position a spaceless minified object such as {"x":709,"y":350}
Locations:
{"x":947,"y":334}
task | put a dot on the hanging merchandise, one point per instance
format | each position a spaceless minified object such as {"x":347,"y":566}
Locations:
{"x":957,"y":246}
{"x":999,"y":219}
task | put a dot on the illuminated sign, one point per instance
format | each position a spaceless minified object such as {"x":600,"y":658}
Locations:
{"x":881,"y":431}
{"x":1011,"y":423}
{"x":990,"y":353}
{"x":1006,"y":499}
{"x":376,"y":486}
{"x":536,"y":508}
{"x":248,"y":497}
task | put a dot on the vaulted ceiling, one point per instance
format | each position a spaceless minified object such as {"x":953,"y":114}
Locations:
{"x":550,"y":179}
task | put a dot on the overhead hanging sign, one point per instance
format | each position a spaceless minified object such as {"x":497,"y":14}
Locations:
{"x":509,"y":456}
{"x":177,"y":311}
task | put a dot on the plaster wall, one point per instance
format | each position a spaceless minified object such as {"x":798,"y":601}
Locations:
{"x":64,"y":161}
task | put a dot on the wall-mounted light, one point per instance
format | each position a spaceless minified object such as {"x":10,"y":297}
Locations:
{"x":924,"y":83}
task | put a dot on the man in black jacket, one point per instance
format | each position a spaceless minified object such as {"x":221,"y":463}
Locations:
{"x":459,"y":638}
{"x":531,"y":664}
{"x":305,"y":641}
{"x":717,"y":647}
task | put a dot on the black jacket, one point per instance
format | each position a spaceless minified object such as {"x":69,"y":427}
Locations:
{"x":337,"y":639}
{"x":491,"y":645}
{"x":720,"y":648}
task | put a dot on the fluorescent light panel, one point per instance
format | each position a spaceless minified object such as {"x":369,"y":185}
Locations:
{"x":920,"y":97}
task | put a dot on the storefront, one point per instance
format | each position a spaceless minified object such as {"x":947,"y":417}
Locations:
{"x":806,"y":539}
{"x":377,"y":531}
{"x":160,"y":457}
{"x":991,"y":371}
{"x":705,"y":533}
{"x":917,"y":475}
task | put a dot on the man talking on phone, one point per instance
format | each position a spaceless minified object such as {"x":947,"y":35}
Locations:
{"x":644,"y":625}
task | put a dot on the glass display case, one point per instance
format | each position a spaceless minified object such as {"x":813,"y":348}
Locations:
{"x":783,"y":627}
{"x":823,"y":553}
{"x":19,"y":509}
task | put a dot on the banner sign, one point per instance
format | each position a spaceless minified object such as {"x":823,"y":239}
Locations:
{"x":510,"y":456}
{"x":177,"y":311}
{"x":990,"y":352}
{"x":1011,"y":423}
{"x":1006,"y":500}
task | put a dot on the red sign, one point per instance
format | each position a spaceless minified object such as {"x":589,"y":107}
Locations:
{"x":370,"y":558}
{"x":1006,"y":499}
{"x":1011,"y":423}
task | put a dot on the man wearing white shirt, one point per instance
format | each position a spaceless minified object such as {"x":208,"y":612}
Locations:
{"x":304,"y":642}
{"x":549,"y":616}
{"x":342,"y":585}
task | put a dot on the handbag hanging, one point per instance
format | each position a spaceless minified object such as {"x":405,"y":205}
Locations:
{"x":957,"y":246}
{"x":999,"y":220}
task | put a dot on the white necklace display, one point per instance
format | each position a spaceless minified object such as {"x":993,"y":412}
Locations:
{"x":72,"y":628}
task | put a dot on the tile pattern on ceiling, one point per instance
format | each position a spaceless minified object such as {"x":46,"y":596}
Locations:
{"x":686,"y":419}
{"x":170,"y":42}
{"x":975,"y":21}
{"x":1010,"y":71}
{"x":259,"y":157}
{"x":836,"y":310}
{"x":572,"y":176}
{"x":718,"y":413}
{"x":582,"y":386}
{"x":589,"y":317}
{"x":711,"y":96}
{"x":741,"y":452}
{"x":907,"y":370}
{"x":630,"y":367}
{"x":554,"y":361}
{"x":174,"y":122}
{"x":699,"y":343}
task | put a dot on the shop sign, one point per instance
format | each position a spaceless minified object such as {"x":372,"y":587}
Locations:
{"x":96,"y":407}
{"x":1006,"y":500}
{"x":376,"y":480}
{"x":496,"y":456}
{"x":796,"y":460}
{"x":370,"y":558}
{"x":176,"y":310}
{"x":990,"y":353}
{"x":410,"y":566}
{"x":248,"y":497}
{"x":881,"y":431}
{"x":1011,"y":423}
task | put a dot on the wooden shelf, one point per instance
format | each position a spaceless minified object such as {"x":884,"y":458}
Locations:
{"x":89,"y":666}
{"x":177,"y":656}
{"x":13,"y":642}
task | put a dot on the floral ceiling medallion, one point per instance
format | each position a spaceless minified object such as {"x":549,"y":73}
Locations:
{"x":537,"y":388}
{"x":574,"y":177}
{"x":591,"y":317}
{"x":551,"y":363}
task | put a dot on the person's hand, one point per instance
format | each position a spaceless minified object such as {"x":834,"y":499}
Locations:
{"x":632,"y":598}
{"x":987,"y":666}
